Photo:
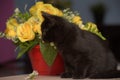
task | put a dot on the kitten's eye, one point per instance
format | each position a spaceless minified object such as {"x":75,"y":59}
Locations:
{"x":45,"y":30}
{"x":44,"y":33}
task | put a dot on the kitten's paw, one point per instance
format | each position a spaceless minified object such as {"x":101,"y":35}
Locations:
{"x":77,"y":77}
{"x":66,"y":75}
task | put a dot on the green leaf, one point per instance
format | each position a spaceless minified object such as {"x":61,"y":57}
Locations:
{"x":22,"y":49}
{"x":25,"y":47}
{"x":48,"y":52}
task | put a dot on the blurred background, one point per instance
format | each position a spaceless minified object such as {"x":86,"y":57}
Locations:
{"x":105,"y":13}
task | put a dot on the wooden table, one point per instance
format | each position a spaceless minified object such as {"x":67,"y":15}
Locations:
{"x":22,"y":77}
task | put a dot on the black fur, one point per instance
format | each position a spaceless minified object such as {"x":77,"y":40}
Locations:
{"x":85,"y":54}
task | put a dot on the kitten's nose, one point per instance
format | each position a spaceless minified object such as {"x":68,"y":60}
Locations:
{"x":43,"y":36}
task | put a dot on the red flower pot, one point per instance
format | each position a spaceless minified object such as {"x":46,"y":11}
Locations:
{"x":40,"y":65}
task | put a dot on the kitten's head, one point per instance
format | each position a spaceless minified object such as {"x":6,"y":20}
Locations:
{"x":51,"y":27}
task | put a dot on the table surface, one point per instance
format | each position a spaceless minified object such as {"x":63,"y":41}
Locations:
{"x":23,"y":77}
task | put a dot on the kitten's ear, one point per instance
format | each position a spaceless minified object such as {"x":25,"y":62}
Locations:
{"x":49,"y":19}
{"x":45,"y":15}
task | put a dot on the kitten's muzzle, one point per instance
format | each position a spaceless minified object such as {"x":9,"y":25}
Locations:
{"x":44,"y":38}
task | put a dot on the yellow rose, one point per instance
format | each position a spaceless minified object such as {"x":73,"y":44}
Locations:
{"x":11,"y":28}
{"x":91,"y":27}
{"x":10,"y":33}
{"x":35,"y":24}
{"x":52,"y":10}
{"x":34,"y":8}
{"x":25,"y":32}
{"x":37,"y":18}
{"x":48,"y":8}
{"x":77,"y":20}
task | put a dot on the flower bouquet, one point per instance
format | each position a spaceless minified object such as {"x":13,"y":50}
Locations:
{"x":24,"y":29}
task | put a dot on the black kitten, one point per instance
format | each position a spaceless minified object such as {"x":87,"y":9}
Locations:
{"x":85,"y":54}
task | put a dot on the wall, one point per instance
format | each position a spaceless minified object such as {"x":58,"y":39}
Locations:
{"x":83,"y":7}
{"x":112,"y":15}
{"x":7,"y":52}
